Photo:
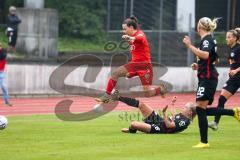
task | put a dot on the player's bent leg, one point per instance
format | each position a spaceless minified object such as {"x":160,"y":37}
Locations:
{"x":119,"y":72}
{"x":162,"y":90}
{"x":141,"y":126}
{"x":145,"y":109}
{"x":235,"y":112}
{"x":149,"y":91}
{"x":225,"y":95}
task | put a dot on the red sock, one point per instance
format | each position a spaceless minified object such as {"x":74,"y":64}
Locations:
{"x":158,"y":91}
{"x":111,"y":84}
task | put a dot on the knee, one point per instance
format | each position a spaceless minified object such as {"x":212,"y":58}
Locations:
{"x":148,"y":94}
{"x":141,"y":105}
{"x":134,"y":125}
{"x":115,"y":75}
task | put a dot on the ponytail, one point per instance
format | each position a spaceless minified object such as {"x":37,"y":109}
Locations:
{"x":132,"y":21}
{"x":208,"y":24}
{"x":238,"y":34}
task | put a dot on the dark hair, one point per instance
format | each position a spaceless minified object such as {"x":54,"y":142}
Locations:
{"x":132,"y":21}
{"x":235,"y":33}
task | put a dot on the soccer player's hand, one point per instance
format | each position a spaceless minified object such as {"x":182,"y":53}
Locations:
{"x":232,"y":72}
{"x":174,"y":100}
{"x":194,"y":66}
{"x":187,"y":41}
{"x":165,"y":109}
{"x":217,"y":61}
{"x":126,"y":37}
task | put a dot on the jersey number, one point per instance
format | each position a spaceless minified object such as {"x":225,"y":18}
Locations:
{"x":156,"y":127}
{"x":200,"y":92}
{"x":181,"y":123}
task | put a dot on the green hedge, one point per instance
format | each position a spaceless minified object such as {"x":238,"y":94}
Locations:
{"x":83,"y":19}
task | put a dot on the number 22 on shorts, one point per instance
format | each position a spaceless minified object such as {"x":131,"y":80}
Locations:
{"x":200,"y":92}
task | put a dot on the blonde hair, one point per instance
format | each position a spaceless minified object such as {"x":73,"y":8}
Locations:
{"x":192,"y":107}
{"x":208,"y":24}
{"x":238,"y":31}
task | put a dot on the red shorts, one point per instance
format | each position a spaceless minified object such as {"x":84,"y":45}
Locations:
{"x":143,"y":70}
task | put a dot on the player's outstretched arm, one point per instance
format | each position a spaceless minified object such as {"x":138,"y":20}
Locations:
{"x":168,"y":123}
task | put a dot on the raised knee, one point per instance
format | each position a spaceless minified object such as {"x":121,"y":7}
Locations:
{"x":115,"y":75}
{"x":148,"y":94}
{"x":134,"y":124}
{"x":140,"y":104}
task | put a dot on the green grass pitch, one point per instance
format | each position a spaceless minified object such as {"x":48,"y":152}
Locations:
{"x":45,"y":137}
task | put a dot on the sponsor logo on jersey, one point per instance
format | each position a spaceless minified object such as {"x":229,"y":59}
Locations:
{"x":215,"y":42}
{"x":232,"y":54}
{"x":225,"y":85}
{"x":205,"y":44}
{"x":132,"y":47}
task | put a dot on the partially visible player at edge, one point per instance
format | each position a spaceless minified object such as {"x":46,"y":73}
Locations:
{"x":207,"y":73}
{"x":233,"y":83}
{"x":140,"y":64}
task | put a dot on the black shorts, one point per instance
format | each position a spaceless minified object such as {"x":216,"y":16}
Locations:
{"x":232,"y":85}
{"x":156,"y":122}
{"x":12,"y":38}
{"x":206,"y":90}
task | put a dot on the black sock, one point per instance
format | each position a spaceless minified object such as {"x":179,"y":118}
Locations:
{"x":221,"y":102}
{"x":132,"y":130}
{"x":203,"y":124}
{"x":130,"y":101}
{"x":217,"y":111}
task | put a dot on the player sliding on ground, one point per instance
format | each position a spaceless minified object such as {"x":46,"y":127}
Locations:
{"x":140,"y":64}
{"x":154,"y":123}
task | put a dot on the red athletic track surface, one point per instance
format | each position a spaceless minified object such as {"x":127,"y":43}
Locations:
{"x":30,"y":106}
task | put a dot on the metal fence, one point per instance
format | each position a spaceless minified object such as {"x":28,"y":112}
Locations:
{"x":158,"y":21}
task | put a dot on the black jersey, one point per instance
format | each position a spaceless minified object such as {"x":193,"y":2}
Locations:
{"x":181,"y":123}
{"x":206,"y":67}
{"x":13,"y":21}
{"x":235,"y":57}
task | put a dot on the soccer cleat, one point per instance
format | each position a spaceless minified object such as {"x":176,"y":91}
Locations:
{"x":8,"y":104}
{"x":164,"y":88}
{"x":104,"y":98}
{"x":213,"y":126}
{"x":115,"y":95}
{"x":236,"y":113}
{"x":201,"y":145}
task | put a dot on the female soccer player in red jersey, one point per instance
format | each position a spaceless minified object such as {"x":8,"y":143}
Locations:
{"x":140,"y":65}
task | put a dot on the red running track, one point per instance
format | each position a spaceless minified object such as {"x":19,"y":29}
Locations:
{"x":30,"y":106}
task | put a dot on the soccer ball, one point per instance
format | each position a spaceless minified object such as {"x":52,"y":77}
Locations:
{"x":98,"y":108}
{"x":3,"y":122}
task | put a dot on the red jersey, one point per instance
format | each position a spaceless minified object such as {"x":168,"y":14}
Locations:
{"x":139,"y":48}
{"x":2,"y":60}
{"x":2,"y":65}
